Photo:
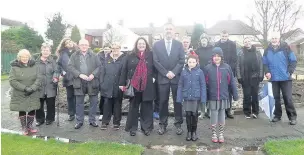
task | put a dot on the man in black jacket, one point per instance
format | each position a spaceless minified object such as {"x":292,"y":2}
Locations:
{"x":230,"y":57}
{"x":169,"y":59}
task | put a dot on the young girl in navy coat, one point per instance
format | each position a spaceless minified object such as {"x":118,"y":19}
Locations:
{"x":192,"y":92}
{"x":219,"y":81}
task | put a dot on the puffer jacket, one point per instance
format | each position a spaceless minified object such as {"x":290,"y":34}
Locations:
{"x":191,"y":85}
{"x":22,"y":76}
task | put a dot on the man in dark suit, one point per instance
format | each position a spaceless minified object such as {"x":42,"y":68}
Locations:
{"x":169,"y":59}
{"x":230,"y":57}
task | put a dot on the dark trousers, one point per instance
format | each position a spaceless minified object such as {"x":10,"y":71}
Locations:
{"x":101,"y":105}
{"x":112,"y":105}
{"x":164,"y":93}
{"x":156,"y":101}
{"x":23,"y":113}
{"x":250,"y":99}
{"x":146,"y":114}
{"x":50,"y":110}
{"x":286,"y":88}
{"x":71,"y":100}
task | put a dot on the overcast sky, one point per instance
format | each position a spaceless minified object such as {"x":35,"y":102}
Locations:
{"x":135,"y":13}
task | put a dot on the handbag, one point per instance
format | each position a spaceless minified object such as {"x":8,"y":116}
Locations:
{"x":129,"y":89}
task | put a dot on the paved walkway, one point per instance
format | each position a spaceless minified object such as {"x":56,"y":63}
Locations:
{"x":239,"y":132}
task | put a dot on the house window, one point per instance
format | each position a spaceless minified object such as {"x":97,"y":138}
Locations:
{"x":96,"y":42}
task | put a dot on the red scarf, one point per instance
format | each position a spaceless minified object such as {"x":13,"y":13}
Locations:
{"x":139,"y":79}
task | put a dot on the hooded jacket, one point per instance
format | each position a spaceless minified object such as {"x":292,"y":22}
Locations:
{"x":281,"y":63}
{"x":191,"y":85}
{"x":219,"y":80}
{"x":22,"y":76}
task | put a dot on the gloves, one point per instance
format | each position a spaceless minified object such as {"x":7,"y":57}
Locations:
{"x":28,"y":90}
{"x":235,"y":98}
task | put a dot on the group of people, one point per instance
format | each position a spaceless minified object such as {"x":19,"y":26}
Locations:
{"x":199,"y":79}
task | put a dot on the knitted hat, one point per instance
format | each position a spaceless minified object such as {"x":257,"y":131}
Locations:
{"x":218,"y":50}
{"x":204,"y":36}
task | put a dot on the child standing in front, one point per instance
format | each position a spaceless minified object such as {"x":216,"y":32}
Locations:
{"x":191,"y":92}
{"x":220,"y":83}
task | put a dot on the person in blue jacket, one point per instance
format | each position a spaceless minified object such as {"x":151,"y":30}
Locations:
{"x":192,"y":92}
{"x":280,"y":63}
{"x":219,"y":82}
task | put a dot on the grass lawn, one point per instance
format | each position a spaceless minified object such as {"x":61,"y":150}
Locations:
{"x":15,"y":144}
{"x":285,"y":147}
{"x":4,"y":77}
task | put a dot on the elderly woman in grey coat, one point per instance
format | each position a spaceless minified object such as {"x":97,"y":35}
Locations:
{"x":25,"y":82}
{"x":49,"y":78}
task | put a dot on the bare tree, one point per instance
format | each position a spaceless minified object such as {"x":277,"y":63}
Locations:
{"x":288,"y":12}
{"x":113,"y":35}
{"x":272,"y":15}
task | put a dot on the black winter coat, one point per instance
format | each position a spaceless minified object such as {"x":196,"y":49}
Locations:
{"x":204,"y":55}
{"x":109,"y":77}
{"x":63,"y":61}
{"x":93,"y":68}
{"x":128,"y":69}
{"x":230,"y":53}
{"x":240,"y":68}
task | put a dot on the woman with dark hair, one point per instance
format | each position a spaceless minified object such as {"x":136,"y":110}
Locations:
{"x":109,"y":87}
{"x":64,"y":51}
{"x":138,"y":70}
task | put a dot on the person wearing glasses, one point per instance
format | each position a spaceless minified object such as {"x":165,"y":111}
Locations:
{"x":85,"y":68}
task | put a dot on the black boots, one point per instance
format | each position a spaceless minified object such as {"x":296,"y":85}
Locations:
{"x":194,"y":126}
{"x":188,"y":121}
{"x":191,"y":120}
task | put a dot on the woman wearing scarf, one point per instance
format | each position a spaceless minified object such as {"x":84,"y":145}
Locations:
{"x":138,"y":68}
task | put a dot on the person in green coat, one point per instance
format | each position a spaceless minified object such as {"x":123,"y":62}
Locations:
{"x":25,"y":82}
